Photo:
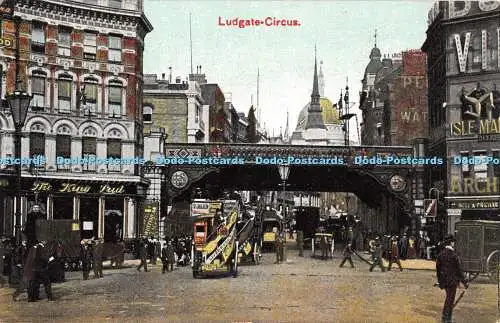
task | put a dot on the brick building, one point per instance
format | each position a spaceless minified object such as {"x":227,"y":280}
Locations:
{"x":394,"y":113}
{"x":463,"y":47}
{"x":67,"y":49}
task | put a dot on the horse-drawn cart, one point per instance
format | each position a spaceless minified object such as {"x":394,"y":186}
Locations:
{"x":478,"y":245}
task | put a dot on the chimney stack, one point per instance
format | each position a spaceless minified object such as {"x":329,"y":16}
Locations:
{"x":170,"y":75}
{"x":163,"y":76}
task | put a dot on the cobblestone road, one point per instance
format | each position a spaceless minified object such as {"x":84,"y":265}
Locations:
{"x":302,"y":290}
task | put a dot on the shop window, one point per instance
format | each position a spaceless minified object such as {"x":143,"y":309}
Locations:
{"x":63,"y":149}
{"x":115,"y":152}
{"x":37,"y":144}
{"x":115,"y":49}
{"x":90,"y":46}
{"x":89,"y":151}
{"x":91,"y":95}
{"x":64,"y":44}
{"x":147,"y":114}
{"x":115,"y":90}
{"x":62,"y":208}
{"x":38,"y":90}
{"x":481,"y":168}
{"x":38,"y":37}
{"x":64,"y":92}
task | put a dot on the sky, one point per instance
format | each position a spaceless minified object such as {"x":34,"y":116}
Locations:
{"x":343,"y":32}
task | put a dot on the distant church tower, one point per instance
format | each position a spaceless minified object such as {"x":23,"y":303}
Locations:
{"x":315,"y":118}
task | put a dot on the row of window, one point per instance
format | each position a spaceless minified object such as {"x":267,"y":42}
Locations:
{"x":63,"y":149}
{"x":38,"y":40}
{"x":87,"y":100}
{"x":147,"y":114}
{"x":480,"y":170}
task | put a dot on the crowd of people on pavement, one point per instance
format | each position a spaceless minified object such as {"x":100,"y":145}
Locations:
{"x":175,"y":250}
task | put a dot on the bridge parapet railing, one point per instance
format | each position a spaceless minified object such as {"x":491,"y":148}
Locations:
{"x":251,"y":152}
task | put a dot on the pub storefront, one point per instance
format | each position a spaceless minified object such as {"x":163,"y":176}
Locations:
{"x":107,"y":210}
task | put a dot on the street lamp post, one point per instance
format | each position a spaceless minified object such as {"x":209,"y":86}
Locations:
{"x":284,"y":171}
{"x":18,"y":102}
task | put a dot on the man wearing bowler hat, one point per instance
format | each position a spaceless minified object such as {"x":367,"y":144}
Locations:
{"x":450,"y":276}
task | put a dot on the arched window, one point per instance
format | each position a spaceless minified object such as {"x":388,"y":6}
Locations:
{"x":115,"y":92}
{"x":147,"y":114}
{"x":91,"y":95}
{"x":38,"y":90}
{"x":64,"y":93}
{"x":89,"y":149}
{"x":63,"y":146}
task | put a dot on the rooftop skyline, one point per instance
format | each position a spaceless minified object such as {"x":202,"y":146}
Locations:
{"x":343,"y":32}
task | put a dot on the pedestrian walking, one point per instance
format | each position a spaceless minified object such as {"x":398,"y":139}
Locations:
{"x":422,"y":245}
{"x":97,"y":255}
{"x":164,"y":258}
{"x":143,"y":255}
{"x":347,"y":256}
{"x":393,"y":254}
{"x":170,"y":256}
{"x":42,"y":275}
{"x":412,"y":248}
{"x":28,"y":273}
{"x":300,"y":242}
{"x":86,"y":256}
{"x":403,"y":247}
{"x":377,"y":256}
{"x":450,"y":276}
{"x":279,"y":248}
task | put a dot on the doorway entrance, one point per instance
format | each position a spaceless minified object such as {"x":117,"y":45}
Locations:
{"x":113,"y":220}
{"x":89,"y":217}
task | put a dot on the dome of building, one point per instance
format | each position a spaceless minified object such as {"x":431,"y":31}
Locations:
{"x":375,"y":53}
{"x":328,"y":111}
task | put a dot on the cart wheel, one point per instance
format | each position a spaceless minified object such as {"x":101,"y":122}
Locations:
{"x":492,"y":265}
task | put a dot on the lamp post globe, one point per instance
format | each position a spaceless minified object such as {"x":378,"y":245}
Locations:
{"x":19,"y":102}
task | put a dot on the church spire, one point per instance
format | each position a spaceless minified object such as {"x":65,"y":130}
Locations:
{"x":315,"y":117}
{"x":321,"y":80}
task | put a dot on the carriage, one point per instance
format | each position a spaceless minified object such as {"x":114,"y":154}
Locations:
{"x":478,"y":246}
{"x":215,"y":243}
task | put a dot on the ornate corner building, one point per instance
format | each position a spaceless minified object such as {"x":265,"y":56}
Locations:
{"x":463,"y":48}
{"x":82,"y":63}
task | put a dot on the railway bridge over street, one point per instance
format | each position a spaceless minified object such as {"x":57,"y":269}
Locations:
{"x":388,"y":178}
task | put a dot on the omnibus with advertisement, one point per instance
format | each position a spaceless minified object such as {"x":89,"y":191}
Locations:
{"x":215,"y":243}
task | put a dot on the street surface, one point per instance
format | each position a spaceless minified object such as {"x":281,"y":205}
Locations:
{"x":302,"y":290}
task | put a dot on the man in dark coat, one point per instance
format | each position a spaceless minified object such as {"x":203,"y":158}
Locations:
{"x":347,"y":256}
{"x":450,"y":276}
{"x":163,"y":258}
{"x":377,"y":255}
{"x":143,"y":255}
{"x":42,"y":272}
{"x":86,"y":256}
{"x":97,"y":253}
{"x":170,"y":253}
{"x":393,"y":254}
{"x":403,"y":249}
{"x":27,"y":282}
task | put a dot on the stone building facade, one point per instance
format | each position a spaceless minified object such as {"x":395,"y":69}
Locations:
{"x":69,"y":51}
{"x":463,"y":49}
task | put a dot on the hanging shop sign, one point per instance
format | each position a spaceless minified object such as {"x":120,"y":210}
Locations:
{"x":78,"y":188}
{"x":474,"y":204}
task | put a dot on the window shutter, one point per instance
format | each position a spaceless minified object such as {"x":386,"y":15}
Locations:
{"x":114,"y":148}
{"x":37,"y":143}
{"x":64,"y":88}
{"x":89,"y":145}
{"x":115,"y":94}
{"x":63,"y":146}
